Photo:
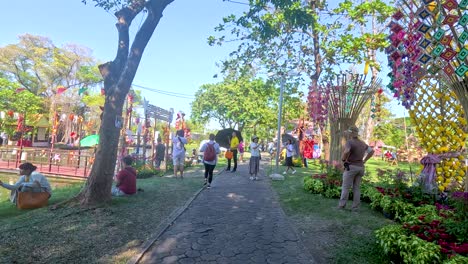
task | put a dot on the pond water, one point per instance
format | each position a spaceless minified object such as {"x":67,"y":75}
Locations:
{"x":11,"y":178}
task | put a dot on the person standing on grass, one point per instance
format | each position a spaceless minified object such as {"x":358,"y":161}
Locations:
{"x":353,"y":161}
{"x":234,"y":144}
{"x":254,"y":163}
{"x":160,"y":153}
{"x":210,"y":151}
{"x":178,"y":153}
{"x":125,"y":181}
{"x":289,"y":156}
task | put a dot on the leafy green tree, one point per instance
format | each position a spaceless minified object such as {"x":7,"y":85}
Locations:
{"x":279,"y":35}
{"x":118,"y":76}
{"x":243,"y":103}
{"x":12,"y":100}
{"x":40,"y":67}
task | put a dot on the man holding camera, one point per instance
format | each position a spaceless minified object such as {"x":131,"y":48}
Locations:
{"x":355,"y":154}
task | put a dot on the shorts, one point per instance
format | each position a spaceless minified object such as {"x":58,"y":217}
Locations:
{"x":179,"y":159}
{"x":289,"y":161}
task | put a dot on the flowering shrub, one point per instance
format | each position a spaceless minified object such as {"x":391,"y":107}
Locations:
{"x":396,"y":242}
{"x":328,"y":183}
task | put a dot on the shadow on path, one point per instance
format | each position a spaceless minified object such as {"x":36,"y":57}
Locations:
{"x":236,"y":221}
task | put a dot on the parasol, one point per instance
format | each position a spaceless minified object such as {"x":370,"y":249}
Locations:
{"x":224,"y":136}
{"x":89,"y":141}
{"x":286,"y":137}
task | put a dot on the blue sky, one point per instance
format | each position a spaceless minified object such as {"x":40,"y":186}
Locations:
{"x":177,"y":59}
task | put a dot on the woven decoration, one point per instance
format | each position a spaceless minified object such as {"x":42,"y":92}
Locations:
{"x":432,"y":52}
{"x":438,"y":119}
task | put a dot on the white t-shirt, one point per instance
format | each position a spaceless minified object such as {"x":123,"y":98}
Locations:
{"x":254,"y":149}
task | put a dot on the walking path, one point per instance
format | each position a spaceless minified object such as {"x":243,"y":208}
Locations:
{"x":236,"y":221}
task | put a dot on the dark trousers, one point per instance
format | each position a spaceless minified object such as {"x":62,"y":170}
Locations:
{"x":234,"y":156}
{"x":209,"y":172}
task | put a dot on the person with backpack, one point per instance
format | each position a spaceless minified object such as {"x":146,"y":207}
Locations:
{"x":210,"y":151}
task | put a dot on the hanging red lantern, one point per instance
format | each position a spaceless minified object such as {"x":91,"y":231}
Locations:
{"x":72,"y":134}
{"x":71,"y":117}
{"x":10,"y":113}
{"x":380,"y":91}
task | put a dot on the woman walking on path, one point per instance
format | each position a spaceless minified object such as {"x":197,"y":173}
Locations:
{"x":254,"y":164}
{"x":178,"y":153}
{"x":241,"y":151}
{"x":289,"y":156}
{"x":210,"y":157}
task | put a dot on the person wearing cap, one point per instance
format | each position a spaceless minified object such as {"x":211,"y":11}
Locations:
{"x":254,"y":163}
{"x":29,"y":181}
{"x":355,"y":154}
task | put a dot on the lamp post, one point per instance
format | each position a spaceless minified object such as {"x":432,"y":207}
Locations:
{"x":280,"y":113}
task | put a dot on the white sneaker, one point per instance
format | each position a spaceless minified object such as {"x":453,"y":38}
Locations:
{"x":251,"y":178}
{"x":284,"y":173}
{"x":293,"y":172}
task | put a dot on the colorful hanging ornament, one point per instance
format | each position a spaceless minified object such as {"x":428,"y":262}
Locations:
{"x":61,"y":89}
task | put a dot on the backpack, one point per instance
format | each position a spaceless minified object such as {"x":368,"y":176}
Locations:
{"x":209,"y":154}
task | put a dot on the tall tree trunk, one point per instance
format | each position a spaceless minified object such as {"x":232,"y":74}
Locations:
{"x":118,"y":76}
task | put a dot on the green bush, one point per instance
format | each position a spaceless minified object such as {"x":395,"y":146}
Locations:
{"x":148,"y":172}
{"x":410,"y":248}
{"x":457,"y":259}
{"x":332,"y":192}
{"x":313,"y":185}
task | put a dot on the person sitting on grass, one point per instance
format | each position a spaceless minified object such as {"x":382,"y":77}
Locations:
{"x":125,"y":181}
{"x":29,"y":181}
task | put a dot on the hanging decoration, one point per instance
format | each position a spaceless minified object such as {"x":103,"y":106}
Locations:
{"x":317,"y":108}
{"x":438,"y":119}
{"x":82,"y":90}
{"x":18,"y":90}
{"x":61,"y":89}
{"x":427,"y":57}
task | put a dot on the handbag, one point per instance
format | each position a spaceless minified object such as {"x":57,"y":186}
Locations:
{"x":228,"y":154}
{"x":31,"y":200}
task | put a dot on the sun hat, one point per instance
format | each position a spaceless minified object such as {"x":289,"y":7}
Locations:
{"x":254,"y":137}
{"x":353,"y":129}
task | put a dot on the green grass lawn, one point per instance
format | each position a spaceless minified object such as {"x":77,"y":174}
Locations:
{"x":331,"y":235}
{"x":107,"y":234}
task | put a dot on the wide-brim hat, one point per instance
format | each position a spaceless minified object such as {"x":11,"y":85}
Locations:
{"x":353,"y":129}
{"x":254,"y":137}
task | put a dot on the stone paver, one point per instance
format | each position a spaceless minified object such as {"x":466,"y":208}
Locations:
{"x":236,"y":221}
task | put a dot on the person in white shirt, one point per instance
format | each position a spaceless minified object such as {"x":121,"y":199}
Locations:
{"x":254,"y":163}
{"x":178,"y":153}
{"x":289,"y":156}
{"x":29,"y":181}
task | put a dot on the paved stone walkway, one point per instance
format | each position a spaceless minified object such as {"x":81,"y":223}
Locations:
{"x":236,"y":221}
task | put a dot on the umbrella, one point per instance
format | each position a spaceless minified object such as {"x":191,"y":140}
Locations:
{"x":89,"y":141}
{"x":286,"y":137}
{"x":224,"y":136}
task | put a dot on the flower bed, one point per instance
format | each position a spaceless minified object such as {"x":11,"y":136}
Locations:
{"x":429,"y":228}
